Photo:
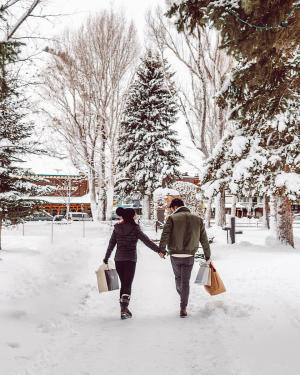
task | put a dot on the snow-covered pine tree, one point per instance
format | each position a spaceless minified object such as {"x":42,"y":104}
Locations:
{"x":148,"y":146}
{"x":264,"y":37}
{"x":16,"y":183}
{"x":266,"y":164}
{"x":191,"y":196}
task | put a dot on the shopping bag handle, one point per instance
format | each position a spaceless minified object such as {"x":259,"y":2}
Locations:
{"x":212,"y":267}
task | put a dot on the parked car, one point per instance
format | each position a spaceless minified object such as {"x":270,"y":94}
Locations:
{"x":296,"y":218}
{"x":60,"y":219}
{"x":41,"y":216}
{"x":79,"y":216}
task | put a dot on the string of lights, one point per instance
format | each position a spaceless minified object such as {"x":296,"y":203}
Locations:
{"x":283,"y":23}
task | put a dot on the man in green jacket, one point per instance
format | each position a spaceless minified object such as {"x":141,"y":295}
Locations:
{"x":182,"y":233}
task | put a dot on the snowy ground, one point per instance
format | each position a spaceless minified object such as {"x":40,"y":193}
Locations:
{"x":53,"y":321}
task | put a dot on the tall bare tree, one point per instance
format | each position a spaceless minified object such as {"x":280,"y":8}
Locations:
{"x":87,"y":76}
{"x":204,"y":72}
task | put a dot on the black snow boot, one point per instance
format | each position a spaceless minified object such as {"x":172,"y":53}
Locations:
{"x":183,"y":313}
{"x":124,"y":302}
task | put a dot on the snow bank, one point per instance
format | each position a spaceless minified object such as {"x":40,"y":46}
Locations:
{"x":51,"y":311}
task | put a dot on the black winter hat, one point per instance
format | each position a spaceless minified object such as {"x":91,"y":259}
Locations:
{"x":127,"y":213}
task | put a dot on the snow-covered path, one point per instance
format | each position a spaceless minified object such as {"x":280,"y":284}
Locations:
{"x":53,"y":320}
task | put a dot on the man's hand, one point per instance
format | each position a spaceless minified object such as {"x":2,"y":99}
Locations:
{"x":205,"y":262}
{"x":162,"y":253}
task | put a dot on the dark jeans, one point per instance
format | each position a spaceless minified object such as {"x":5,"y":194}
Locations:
{"x":126,"y":270}
{"x":182,"y":268}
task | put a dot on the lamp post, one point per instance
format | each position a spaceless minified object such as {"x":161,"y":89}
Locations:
{"x":83,"y":223}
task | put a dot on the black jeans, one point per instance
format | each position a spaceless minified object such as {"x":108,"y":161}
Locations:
{"x":126,"y":270}
{"x":182,"y":268}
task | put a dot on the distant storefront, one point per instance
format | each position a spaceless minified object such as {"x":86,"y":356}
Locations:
{"x":69,"y":189}
{"x":73,"y":190}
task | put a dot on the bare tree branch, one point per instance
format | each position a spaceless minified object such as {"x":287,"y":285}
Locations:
{"x":86,"y":79}
{"x":8,"y":4}
{"x":204,"y":68}
{"x":50,"y":15}
{"x":25,"y":15}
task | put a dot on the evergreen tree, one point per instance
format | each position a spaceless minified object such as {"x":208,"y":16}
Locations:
{"x":16,"y":183}
{"x":147,"y":144}
{"x":264,"y":37}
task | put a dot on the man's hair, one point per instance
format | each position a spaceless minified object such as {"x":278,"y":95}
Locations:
{"x":176,"y":202}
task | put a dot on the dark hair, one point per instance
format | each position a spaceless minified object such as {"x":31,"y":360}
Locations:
{"x":176,"y":202}
{"x":120,"y":211}
{"x":127,"y":214}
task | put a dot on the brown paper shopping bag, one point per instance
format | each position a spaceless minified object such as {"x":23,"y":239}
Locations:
{"x":217,"y":285}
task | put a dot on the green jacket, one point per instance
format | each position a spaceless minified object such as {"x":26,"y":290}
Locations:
{"x":182,"y":233}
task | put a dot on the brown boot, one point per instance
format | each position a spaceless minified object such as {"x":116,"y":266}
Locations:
{"x":183,"y":313}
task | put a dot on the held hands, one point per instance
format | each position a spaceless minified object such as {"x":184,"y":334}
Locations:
{"x":162,"y":254}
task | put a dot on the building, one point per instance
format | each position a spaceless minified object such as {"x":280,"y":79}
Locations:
{"x":73,"y":190}
{"x":69,"y":190}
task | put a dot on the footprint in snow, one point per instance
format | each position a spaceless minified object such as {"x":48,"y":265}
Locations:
{"x":18,"y":314}
{"x":13,"y":345}
{"x":235,"y":310}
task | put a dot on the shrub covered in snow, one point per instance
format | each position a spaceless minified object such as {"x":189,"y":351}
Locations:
{"x":191,"y":196}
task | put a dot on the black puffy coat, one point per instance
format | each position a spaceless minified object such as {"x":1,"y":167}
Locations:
{"x":125,"y":236}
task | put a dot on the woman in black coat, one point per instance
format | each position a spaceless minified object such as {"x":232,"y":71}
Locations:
{"x":125,"y":236}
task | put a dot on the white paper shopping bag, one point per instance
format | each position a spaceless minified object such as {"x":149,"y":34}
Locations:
{"x":204,"y":275}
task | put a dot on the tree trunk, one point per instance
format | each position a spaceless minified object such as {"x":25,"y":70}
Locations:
{"x":266,"y":221}
{"x":109,"y":200}
{"x":155,"y":207}
{"x":101,"y":202}
{"x":146,"y":207}
{"x":233,"y":206}
{"x":208,"y":213}
{"x":284,"y":221}
{"x":69,"y":192}
{"x":220,"y":209}
{"x":92,"y":193}
{"x":249,"y":207}
{"x":273,"y":213}
{"x":101,"y":181}
{"x":1,"y":215}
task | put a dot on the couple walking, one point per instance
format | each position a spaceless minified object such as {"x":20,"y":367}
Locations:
{"x":181,"y":234}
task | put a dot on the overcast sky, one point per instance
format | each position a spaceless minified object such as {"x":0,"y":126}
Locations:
{"x":80,"y":9}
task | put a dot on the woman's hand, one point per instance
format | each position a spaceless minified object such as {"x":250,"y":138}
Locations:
{"x":162,"y":255}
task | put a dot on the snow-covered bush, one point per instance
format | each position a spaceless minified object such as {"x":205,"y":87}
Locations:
{"x":160,"y":198}
{"x":191,"y":196}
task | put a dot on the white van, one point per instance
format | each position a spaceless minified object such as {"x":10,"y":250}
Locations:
{"x":79,"y":216}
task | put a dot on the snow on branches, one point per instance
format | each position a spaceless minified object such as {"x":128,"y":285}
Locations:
{"x":191,"y":196}
{"x":147,"y":144}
